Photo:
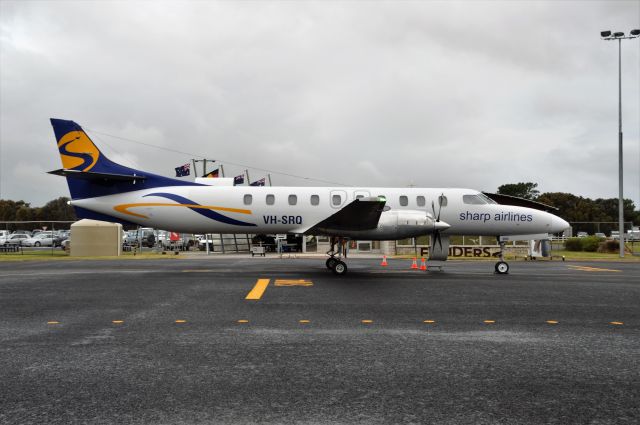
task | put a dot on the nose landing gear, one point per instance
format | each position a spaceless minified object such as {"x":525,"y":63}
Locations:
{"x":501,"y":266}
{"x":335,"y":263}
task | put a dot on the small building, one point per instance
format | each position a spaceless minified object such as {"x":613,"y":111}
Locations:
{"x":93,"y":238}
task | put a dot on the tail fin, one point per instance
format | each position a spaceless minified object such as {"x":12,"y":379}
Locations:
{"x":91,"y":174}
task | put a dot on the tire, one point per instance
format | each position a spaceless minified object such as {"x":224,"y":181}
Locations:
{"x":331,"y":262}
{"x":37,"y":244}
{"x":502,"y":267}
{"x":340,"y":268}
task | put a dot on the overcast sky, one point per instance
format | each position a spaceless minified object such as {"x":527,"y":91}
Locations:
{"x":435,"y":94}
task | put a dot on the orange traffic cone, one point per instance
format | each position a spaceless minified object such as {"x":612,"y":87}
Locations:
{"x":423,"y":264}
{"x":384,"y":261}
{"x":415,"y":263}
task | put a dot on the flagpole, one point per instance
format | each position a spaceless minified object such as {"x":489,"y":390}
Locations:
{"x":195,"y":172}
{"x":204,"y":168}
{"x":248,"y":179}
{"x":269,"y":175}
{"x":222,"y":170}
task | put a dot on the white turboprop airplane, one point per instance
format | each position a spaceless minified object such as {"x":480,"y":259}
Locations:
{"x":103,"y":190}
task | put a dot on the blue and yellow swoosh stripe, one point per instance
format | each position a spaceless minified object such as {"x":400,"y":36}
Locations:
{"x":205,"y":210}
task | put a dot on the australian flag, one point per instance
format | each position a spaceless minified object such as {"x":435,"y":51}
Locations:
{"x":258,"y":182}
{"x":238,"y":180}
{"x":183,"y":170}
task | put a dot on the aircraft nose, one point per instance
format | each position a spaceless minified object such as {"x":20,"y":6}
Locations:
{"x":558,"y":225}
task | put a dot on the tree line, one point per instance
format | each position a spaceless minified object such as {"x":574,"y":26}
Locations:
{"x":575,"y":208}
{"x":55,"y":210}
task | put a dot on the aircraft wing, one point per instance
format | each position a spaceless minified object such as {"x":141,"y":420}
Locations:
{"x":361,"y":214}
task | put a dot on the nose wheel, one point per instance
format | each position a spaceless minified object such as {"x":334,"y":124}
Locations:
{"x":501,"y":266}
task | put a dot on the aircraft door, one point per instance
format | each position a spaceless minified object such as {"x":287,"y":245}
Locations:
{"x":338,"y":198}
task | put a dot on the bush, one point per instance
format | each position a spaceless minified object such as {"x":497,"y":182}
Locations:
{"x":573,"y":244}
{"x":590,"y":243}
{"x":609,"y":246}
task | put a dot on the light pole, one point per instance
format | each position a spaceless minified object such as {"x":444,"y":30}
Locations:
{"x":607,"y":35}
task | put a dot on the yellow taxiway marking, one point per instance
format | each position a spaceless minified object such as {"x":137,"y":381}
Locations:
{"x":293,"y":282}
{"x":117,"y":322}
{"x":367,"y":322}
{"x":243,"y":321}
{"x":616,"y":323}
{"x":181,"y":321}
{"x":552,"y":322}
{"x":53,"y":322}
{"x":489,"y":322}
{"x":304,"y":321}
{"x":258,"y":289}
{"x":593,"y":269}
{"x":197,"y":271}
{"x":428,"y":321}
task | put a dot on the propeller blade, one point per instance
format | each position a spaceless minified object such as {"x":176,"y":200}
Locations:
{"x":440,"y":205}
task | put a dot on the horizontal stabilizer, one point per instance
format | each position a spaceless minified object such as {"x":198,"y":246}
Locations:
{"x":361,"y":214}
{"x":94,"y":176}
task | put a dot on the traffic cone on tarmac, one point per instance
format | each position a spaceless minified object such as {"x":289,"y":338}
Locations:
{"x":384,"y":261}
{"x":414,"y":265}
{"x":423,"y":264}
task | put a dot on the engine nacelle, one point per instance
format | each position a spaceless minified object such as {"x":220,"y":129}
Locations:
{"x":439,"y":250}
{"x":395,"y":225}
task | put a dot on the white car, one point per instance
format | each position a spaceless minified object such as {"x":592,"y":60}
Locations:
{"x":15,"y":239}
{"x":41,"y":239}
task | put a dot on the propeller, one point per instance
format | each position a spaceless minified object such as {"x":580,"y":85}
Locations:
{"x":438,"y":225}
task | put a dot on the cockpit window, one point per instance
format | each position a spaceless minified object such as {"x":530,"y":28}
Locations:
{"x":487,"y":199}
{"x":473,"y":200}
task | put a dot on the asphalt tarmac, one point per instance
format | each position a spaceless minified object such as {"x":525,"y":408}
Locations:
{"x":175,"y":341}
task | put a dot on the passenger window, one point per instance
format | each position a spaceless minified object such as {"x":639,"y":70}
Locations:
{"x":336,"y":200}
{"x":315,"y":199}
{"x":271,"y":199}
{"x":404,"y":201}
{"x":473,"y":200}
{"x":248,"y":199}
{"x":420,"y":201}
{"x":293,"y":199}
{"x":359,"y":196}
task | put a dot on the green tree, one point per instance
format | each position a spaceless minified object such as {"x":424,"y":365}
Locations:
{"x":521,"y":190}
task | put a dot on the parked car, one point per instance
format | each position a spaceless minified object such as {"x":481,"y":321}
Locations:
{"x":65,"y":245}
{"x":582,"y":234}
{"x":14,"y":239}
{"x":600,"y":235}
{"x":41,"y":239}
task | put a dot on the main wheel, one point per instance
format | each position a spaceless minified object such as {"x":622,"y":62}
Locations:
{"x":502,"y":267}
{"x":331,"y":262}
{"x":37,"y":244}
{"x":339,"y":268}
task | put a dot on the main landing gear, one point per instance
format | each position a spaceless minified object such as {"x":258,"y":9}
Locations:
{"x":335,"y":263}
{"x":501,"y":266}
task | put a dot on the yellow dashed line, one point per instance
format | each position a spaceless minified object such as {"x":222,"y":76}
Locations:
{"x":616,"y":323}
{"x":117,"y":322}
{"x":593,"y":269}
{"x":489,"y":322}
{"x":429,"y":321}
{"x":304,"y":322}
{"x":367,"y":322}
{"x":552,"y":322}
{"x":53,"y":322}
{"x":292,"y":282}
{"x":181,"y":321}
{"x":258,"y":289}
{"x":243,"y":321}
